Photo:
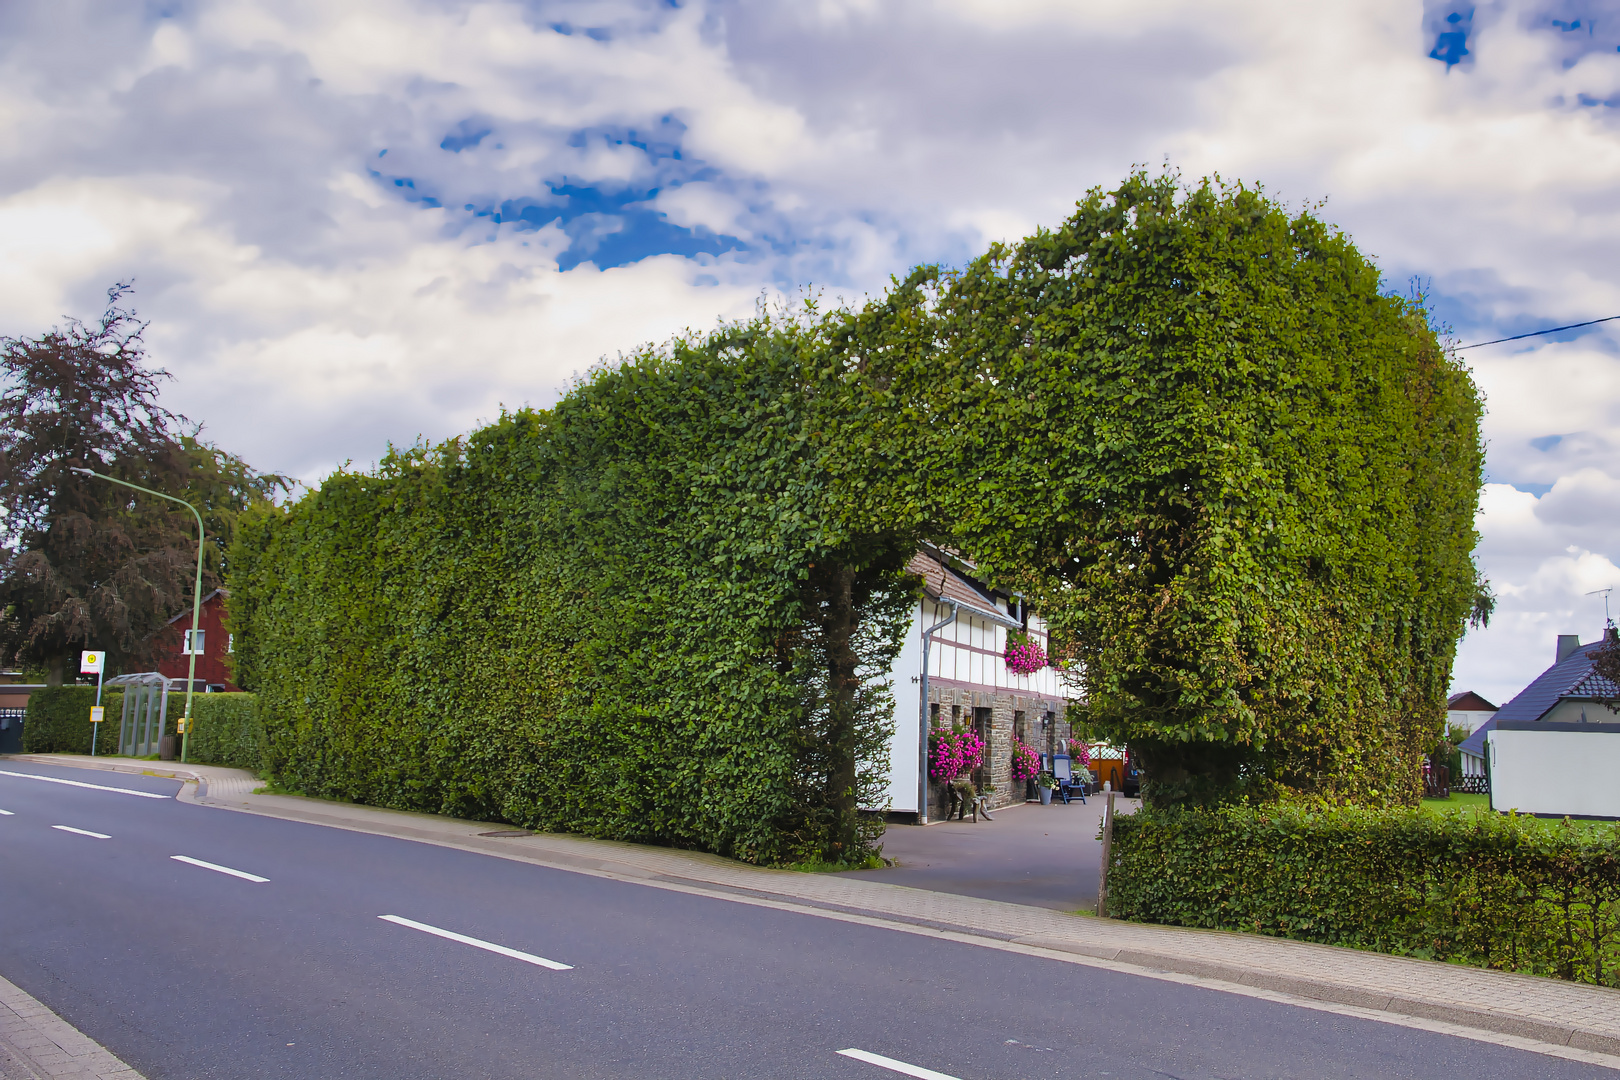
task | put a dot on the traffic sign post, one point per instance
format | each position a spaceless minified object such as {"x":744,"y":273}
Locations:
{"x":94,"y":663}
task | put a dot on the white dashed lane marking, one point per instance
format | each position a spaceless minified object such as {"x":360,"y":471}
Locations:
{"x":488,"y":946}
{"x":243,"y":874}
{"x":82,"y":832}
{"x":892,"y":1065}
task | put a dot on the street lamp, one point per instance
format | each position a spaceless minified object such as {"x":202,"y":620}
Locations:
{"x":196,"y":594}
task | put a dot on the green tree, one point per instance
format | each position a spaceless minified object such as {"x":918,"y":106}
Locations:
{"x":84,"y":563}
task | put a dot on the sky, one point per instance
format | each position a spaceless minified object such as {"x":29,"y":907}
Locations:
{"x":370,"y":222}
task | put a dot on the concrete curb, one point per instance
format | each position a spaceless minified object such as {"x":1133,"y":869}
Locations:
{"x":1317,"y":990}
{"x":705,"y":875}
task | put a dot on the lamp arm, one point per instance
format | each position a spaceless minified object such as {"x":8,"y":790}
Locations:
{"x":196,"y":591}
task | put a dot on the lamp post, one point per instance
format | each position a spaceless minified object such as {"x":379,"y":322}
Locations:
{"x":196,"y":594}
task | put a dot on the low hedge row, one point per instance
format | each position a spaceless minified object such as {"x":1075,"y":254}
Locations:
{"x":1492,"y":891}
{"x":58,"y":721}
{"x":228,"y":731}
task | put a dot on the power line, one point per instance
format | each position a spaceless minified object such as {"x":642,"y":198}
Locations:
{"x":1537,"y":333}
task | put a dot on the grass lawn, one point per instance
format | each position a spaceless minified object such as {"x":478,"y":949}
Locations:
{"x":1481,"y":804}
{"x":1466,"y":804}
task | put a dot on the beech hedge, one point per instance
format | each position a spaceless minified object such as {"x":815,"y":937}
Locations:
{"x":1190,"y":425}
{"x":1495,"y":891}
{"x":1235,"y":473}
{"x":228,"y":730}
{"x":58,"y":720}
{"x":633,"y":616}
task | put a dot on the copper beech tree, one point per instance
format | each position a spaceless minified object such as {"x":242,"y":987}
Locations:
{"x":84,"y":563}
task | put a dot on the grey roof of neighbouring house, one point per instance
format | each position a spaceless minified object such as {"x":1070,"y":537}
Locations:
{"x":1571,"y":677}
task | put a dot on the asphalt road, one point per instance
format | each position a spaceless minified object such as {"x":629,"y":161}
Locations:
{"x":1043,"y":856}
{"x":190,"y":972}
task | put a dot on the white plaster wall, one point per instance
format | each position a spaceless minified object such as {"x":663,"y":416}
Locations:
{"x":1581,"y":712}
{"x":1556,"y":772}
{"x":905,"y":758}
{"x":1469,"y":718}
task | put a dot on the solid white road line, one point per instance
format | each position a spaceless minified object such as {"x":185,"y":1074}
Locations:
{"x":7,"y":813}
{"x":244,"y":875}
{"x":81,"y":783}
{"x":527,"y":958}
{"x":895,"y":1066}
{"x":82,"y":832}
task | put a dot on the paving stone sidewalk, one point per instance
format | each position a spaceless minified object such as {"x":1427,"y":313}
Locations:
{"x":36,"y":1044}
{"x":1585,"y":1019}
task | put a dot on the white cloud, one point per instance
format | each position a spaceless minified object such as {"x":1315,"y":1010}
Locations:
{"x":268,"y":172}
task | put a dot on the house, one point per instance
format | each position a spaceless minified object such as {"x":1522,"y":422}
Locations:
{"x":1555,"y":748}
{"x":967,"y":681}
{"x":214,"y":646}
{"x":1468,"y":710}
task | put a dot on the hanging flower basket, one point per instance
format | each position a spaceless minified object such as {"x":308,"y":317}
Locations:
{"x":1023,"y":656}
{"x":954,"y":754}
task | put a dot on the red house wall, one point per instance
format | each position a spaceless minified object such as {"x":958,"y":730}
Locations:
{"x":211,"y":665}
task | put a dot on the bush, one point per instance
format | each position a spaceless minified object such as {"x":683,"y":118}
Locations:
{"x":227,"y":731}
{"x":1492,"y":891}
{"x":58,"y":721}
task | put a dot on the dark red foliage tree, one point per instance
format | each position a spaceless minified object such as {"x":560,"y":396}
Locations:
{"x":84,"y":563}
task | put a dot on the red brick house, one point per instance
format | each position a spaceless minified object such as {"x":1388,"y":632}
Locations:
{"x":213,"y":669}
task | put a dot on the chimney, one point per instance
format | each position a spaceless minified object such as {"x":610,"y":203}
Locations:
{"x":1568,"y":645}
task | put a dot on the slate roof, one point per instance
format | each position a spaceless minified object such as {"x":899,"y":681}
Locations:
{"x":1572,"y":677}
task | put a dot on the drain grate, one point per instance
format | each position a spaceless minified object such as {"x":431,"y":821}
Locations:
{"x":508,"y":832}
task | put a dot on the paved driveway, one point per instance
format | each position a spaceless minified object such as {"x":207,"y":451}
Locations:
{"x":1046,"y":856}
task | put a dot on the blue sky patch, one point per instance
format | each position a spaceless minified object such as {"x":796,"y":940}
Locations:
{"x":466,"y":136}
{"x":1451,"y":37}
{"x":608,"y":228}
{"x":607,"y":223}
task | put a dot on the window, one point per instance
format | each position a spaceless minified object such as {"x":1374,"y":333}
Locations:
{"x":186,"y":648}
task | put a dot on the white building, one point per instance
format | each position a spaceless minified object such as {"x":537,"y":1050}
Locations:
{"x":968,"y":682}
{"x":1555,"y":748}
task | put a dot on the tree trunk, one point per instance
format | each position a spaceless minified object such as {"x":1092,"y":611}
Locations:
{"x":56,"y":671}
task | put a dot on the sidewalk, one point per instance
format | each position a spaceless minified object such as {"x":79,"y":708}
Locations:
{"x":1543,"y":1015}
{"x":36,"y":1044}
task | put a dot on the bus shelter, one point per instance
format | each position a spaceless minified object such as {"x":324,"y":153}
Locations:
{"x":146,"y":711}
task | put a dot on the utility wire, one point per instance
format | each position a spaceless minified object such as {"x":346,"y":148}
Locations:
{"x":1537,"y":333}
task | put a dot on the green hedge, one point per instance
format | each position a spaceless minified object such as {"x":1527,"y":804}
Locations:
{"x":1492,"y":891}
{"x":635,"y":615}
{"x":58,"y":721}
{"x":228,"y":731}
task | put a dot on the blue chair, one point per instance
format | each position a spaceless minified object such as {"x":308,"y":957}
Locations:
{"x":1068,"y":787}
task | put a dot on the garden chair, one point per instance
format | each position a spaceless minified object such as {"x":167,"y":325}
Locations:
{"x":1067,"y":786}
